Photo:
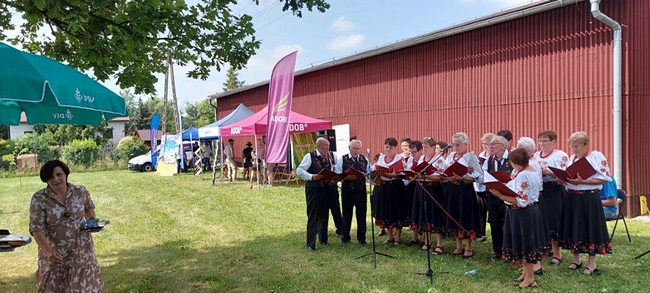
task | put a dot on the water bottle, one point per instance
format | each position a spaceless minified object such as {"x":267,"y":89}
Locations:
{"x":471,"y":272}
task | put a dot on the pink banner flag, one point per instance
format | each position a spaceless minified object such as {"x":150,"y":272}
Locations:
{"x":279,"y":107}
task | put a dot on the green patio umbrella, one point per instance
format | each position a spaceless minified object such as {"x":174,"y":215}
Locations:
{"x":50,"y":92}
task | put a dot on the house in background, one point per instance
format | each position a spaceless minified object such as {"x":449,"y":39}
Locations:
{"x":145,"y":136}
{"x":118,"y":125}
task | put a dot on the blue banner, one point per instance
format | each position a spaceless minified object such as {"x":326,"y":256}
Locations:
{"x":153,"y":135}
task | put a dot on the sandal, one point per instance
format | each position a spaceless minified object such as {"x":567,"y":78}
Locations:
{"x":413,"y":242}
{"x":425,"y":247}
{"x":590,"y":272}
{"x":388,"y":241}
{"x":575,"y":266}
{"x":397,"y":242}
{"x":438,"y":250}
{"x":531,"y":285}
{"x":468,"y":255}
{"x":460,"y":251}
{"x":555,"y":261}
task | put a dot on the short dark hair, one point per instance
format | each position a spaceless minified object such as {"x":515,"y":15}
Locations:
{"x":231,"y":140}
{"x":391,"y":141}
{"x":507,"y":134}
{"x":406,"y":139}
{"x":442,"y":145}
{"x":47,"y":170}
{"x":416,"y":144}
{"x":519,"y":156}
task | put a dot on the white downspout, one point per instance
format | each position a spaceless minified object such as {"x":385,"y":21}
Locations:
{"x":617,"y":104}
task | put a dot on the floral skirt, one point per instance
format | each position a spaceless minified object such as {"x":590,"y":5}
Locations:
{"x":464,"y":219}
{"x":391,"y":206}
{"x":582,"y":224}
{"x":553,"y":195}
{"x":428,"y":214}
{"x":524,"y":237}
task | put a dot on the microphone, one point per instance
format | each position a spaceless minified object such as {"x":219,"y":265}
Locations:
{"x":444,"y":150}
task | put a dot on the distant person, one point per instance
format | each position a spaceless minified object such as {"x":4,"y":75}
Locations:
{"x":507,"y":134}
{"x":207,"y":153}
{"x":248,"y":160}
{"x":609,"y":199}
{"x":231,"y":165}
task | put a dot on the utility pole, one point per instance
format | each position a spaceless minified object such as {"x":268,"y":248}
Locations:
{"x":176,"y":113}
{"x":164,"y":111}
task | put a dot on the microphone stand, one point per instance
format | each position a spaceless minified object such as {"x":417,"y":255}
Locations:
{"x":374,"y":252}
{"x":429,"y":272}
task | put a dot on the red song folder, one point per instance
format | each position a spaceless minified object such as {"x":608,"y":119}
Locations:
{"x":580,"y":167}
{"x":501,"y":176}
{"x":355,"y":172}
{"x":493,"y":183}
{"x":329,"y":175}
{"x":455,"y":168}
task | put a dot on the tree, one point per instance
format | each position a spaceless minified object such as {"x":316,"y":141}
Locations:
{"x":4,"y":131}
{"x":129,"y":39}
{"x":64,"y":134}
{"x":232,"y":80}
{"x":198,"y":114}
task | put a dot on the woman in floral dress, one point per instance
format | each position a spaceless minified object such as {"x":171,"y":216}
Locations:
{"x":66,"y":253}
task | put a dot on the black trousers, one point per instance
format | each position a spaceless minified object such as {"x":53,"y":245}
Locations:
{"x":357,"y":199}
{"x":317,"y":215}
{"x":334,"y":206}
{"x":482,"y":197}
{"x":496,"y":218}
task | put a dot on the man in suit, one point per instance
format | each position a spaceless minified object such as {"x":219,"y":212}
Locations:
{"x":353,"y":191}
{"x":496,"y":208}
{"x":317,"y":191}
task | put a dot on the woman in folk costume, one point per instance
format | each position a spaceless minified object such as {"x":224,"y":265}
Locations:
{"x":582,"y":223}
{"x":462,"y":206}
{"x":391,"y":205}
{"x":524,"y":240}
{"x":429,"y":199}
{"x":553,"y":192}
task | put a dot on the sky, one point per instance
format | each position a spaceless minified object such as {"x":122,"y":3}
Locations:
{"x":348,"y":27}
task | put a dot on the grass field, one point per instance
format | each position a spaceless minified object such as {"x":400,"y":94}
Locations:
{"x":180,"y":234}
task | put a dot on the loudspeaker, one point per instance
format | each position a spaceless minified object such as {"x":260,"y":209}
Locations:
{"x":330,"y":134}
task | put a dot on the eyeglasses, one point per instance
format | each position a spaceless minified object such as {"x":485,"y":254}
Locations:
{"x":543,"y":140}
{"x":495,"y":143}
{"x":427,"y":138}
{"x":485,"y":144}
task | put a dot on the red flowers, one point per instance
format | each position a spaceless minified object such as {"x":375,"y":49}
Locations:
{"x":524,"y":185}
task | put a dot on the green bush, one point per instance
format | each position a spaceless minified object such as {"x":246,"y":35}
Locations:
{"x":129,"y":148}
{"x":6,"y":153}
{"x":41,"y":144}
{"x":81,"y":152}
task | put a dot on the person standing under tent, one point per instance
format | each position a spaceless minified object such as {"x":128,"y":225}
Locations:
{"x":231,"y":165}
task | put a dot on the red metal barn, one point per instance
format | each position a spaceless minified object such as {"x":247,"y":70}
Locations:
{"x":541,"y":66}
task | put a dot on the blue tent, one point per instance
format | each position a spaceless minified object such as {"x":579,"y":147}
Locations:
{"x":191,"y":134}
{"x":211,"y":131}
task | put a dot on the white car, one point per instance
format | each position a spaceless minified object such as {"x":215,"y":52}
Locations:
{"x":142,"y":163}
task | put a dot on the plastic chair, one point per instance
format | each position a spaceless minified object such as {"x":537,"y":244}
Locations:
{"x":621,"y":196}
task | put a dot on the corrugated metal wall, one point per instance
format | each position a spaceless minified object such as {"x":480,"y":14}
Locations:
{"x":635,"y":108}
{"x":551,"y":70}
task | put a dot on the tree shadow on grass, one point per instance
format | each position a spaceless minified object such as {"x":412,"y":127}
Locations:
{"x":281,"y":263}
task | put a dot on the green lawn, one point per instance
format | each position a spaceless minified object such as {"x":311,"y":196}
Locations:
{"x":180,"y":234}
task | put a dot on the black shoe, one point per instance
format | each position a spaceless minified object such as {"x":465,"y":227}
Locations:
{"x":362,"y":243}
{"x":539,"y":272}
{"x":311,"y":248}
